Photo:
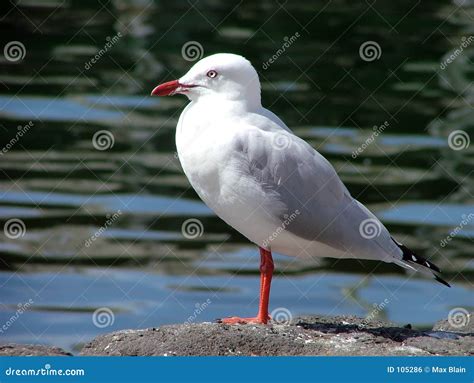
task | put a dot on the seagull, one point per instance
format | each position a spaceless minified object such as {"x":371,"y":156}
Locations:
{"x":266,"y":182}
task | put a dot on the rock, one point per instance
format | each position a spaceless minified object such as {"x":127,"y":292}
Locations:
{"x":304,"y":336}
{"x":12,"y":349}
{"x":311,"y":335}
{"x":461,"y":323}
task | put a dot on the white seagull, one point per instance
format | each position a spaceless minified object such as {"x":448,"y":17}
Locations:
{"x":267,"y":183}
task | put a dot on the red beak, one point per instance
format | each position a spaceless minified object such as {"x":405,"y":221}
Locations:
{"x":166,"y":89}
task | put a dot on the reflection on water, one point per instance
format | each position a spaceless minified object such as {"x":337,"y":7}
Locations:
{"x":65,"y":188}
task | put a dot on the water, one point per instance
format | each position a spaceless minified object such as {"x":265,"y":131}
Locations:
{"x":139,"y":266}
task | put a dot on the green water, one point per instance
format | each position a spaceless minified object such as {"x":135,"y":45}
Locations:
{"x":141,"y":267}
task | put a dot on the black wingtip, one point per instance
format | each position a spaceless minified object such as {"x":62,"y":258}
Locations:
{"x":410,"y":256}
{"x":441,"y":280}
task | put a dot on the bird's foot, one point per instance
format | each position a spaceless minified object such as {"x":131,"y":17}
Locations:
{"x":239,"y":320}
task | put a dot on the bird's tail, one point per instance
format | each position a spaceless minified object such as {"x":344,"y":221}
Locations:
{"x":412,"y":261}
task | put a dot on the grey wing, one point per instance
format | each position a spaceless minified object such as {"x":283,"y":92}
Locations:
{"x":299,"y":179}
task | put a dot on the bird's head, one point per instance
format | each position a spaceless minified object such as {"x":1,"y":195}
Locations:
{"x":223,"y":75}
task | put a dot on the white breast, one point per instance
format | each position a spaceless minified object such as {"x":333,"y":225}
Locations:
{"x":214,"y":169}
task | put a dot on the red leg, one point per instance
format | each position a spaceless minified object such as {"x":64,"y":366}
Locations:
{"x":266,"y":273}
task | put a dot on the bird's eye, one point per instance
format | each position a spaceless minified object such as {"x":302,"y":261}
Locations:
{"x":211,"y":74}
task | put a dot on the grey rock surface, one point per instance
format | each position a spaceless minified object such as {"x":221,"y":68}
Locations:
{"x":12,"y":349}
{"x":311,"y":335}
{"x":460,"y":322}
{"x":304,"y":336}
